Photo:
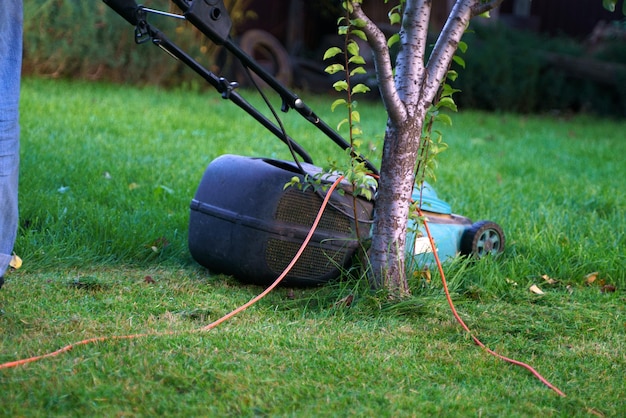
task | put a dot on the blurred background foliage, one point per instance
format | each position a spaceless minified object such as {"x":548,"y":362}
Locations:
{"x":88,"y":40}
{"x":507,"y":69}
{"x":524,"y":72}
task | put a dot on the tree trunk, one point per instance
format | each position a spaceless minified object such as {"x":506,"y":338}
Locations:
{"x":407,"y":94}
{"x":387,"y":253}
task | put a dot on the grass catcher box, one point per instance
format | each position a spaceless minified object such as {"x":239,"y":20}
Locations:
{"x":245,"y":223}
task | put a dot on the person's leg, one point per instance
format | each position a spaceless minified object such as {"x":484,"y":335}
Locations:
{"x":11,"y":17}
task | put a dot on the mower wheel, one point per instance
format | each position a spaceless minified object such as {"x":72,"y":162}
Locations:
{"x":266,"y":50}
{"x":481,"y":239}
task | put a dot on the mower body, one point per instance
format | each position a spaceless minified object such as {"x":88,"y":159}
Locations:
{"x":445,"y":227}
{"x":453,"y":234}
{"x":246,"y":222}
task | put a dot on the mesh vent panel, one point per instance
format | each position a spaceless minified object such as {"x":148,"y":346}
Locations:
{"x":314,"y":262}
{"x":301,"y":208}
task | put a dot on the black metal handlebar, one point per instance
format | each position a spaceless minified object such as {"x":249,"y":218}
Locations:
{"x":212,"y":19}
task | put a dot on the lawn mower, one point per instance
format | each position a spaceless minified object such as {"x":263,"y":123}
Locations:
{"x":245,"y":222}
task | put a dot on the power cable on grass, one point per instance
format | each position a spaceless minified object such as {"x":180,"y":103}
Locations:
{"x":466,"y":328}
{"x":276,"y":283}
{"x":209,"y":327}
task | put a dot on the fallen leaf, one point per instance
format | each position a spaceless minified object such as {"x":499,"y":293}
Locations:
{"x":595,"y":412}
{"x":148,"y":279}
{"x":591,"y":277}
{"x":535,"y":289}
{"x":548,"y":279}
{"x":608,"y":288}
{"x":158,"y":244}
{"x":347,"y":301}
{"x":16,"y":262}
{"x":511,"y":282}
{"x":133,"y":186}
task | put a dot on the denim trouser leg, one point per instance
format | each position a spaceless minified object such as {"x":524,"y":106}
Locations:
{"x":10,"y":70}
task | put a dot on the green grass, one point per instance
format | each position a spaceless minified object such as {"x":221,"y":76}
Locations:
{"x":108,"y":173}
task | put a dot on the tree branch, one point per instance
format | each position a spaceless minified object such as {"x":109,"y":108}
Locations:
{"x":483,"y":7}
{"x":382,"y":62}
{"x":413,"y":39}
{"x":446,"y":46}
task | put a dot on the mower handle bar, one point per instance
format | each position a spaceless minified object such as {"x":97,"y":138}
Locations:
{"x":211,"y":18}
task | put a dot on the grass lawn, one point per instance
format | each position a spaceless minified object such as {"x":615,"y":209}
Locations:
{"x":107,"y":176}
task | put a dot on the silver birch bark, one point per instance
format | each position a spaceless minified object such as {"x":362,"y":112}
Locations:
{"x":407,"y":95}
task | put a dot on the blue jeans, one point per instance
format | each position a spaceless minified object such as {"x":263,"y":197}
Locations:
{"x":11,"y":18}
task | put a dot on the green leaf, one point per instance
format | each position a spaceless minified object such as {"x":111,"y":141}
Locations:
{"x":358,"y":70}
{"x":393,"y":39}
{"x":460,"y":61}
{"x":357,"y":59}
{"x":332,"y":51}
{"x":335,"y":68}
{"x":337,"y":103}
{"x":462,"y":46}
{"x":609,"y":5}
{"x":343,"y":30}
{"x":341,"y":85}
{"x":340,"y":124}
{"x":452,"y":75}
{"x":395,"y":18}
{"x":356,"y":116}
{"x":358,"y":23}
{"x":366,"y":193}
{"x":447,"y":102}
{"x":353,"y":48}
{"x":443,"y":118}
{"x":294,"y":181}
{"x":448,"y":91}
{"x":359,"y":34}
{"x":360,"y":88}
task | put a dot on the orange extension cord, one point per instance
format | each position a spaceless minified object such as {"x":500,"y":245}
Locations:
{"x":466,"y":328}
{"x":270,"y":288}
{"x":206,"y":328}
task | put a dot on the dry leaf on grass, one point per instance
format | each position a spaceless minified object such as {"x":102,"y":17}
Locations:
{"x":511,"y":282}
{"x":16,"y":262}
{"x":347,"y":301}
{"x":608,"y":288}
{"x":535,"y":289}
{"x":548,"y":279}
{"x":591,"y":277}
{"x":595,"y":412}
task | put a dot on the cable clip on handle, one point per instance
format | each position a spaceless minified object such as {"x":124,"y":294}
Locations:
{"x":226,"y":87}
{"x":142,"y":34}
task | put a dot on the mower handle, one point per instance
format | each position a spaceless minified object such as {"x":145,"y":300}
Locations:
{"x":211,"y":18}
